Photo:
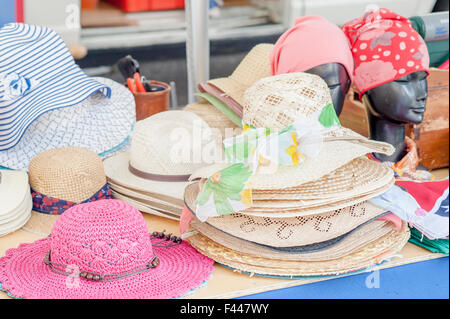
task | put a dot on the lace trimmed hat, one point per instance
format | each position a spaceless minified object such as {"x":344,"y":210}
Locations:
{"x":103,"y":250}
{"x":46,"y":101}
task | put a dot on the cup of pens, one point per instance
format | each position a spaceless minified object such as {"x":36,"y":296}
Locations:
{"x":150,"y":96}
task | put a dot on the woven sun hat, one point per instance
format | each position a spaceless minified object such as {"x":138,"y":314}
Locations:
{"x":100,"y":250}
{"x":331,"y":249}
{"x":378,"y":251}
{"x":46,"y":101}
{"x":16,"y":200}
{"x":273,"y":211}
{"x":290,"y":231}
{"x":254,"y":66}
{"x":214,"y":118}
{"x":291,"y":208}
{"x":61,"y":178}
{"x":149,"y":209}
{"x":277,"y":102}
{"x":359,"y":176}
{"x":165,"y":149}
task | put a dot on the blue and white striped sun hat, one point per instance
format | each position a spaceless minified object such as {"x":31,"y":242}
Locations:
{"x":47,"y":101}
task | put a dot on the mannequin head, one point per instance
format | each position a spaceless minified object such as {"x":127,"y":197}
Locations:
{"x":391,"y":66}
{"x":317,"y":46}
{"x":337,"y":79}
{"x":400,"y":101}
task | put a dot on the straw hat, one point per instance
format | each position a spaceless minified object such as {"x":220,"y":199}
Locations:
{"x":146,"y":208}
{"x":331,"y":249}
{"x":286,"y":209}
{"x":165,"y":149}
{"x":214,"y":118}
{"x":255,"y":66}
{"x":376,"y":252}
{"x":47,"y":101}
{"x":16,"y":200}
{"x":292,"y":231}
{"x":359,"y":176}
{"x":101,"y":250}
{"x":57,"y":176}
{"x":312,"y":210}
{"x":279,"y":101}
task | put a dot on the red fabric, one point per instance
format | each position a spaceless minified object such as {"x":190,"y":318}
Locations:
{"x":19,"y":11}
{"x":310,"y":42}
{"x":385,"y":47}
{"x":394,"y":219}
{"x":425,"y":193}
{"x":185,"y":219}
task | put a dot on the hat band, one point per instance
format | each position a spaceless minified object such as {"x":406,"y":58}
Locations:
{"x":93,"y":276}
{"x":54,"y":206}
{"x":156,"y":177}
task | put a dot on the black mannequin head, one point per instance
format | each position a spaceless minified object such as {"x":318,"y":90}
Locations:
{"x":337,"y":79}
{"x":392,"y":105}
{"x":401,"y":101}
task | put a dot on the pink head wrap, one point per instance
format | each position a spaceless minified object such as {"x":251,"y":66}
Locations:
{"x":312,"y":41}
{"x":385,"y":47}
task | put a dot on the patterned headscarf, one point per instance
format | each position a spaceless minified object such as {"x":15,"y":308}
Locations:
{"x":385,"y":47}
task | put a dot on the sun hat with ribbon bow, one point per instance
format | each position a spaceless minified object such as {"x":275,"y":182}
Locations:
{"x":46,"y":100}
{"x":292,"y":136}
{"x":100,"y":250}
{"x":61,"y":178}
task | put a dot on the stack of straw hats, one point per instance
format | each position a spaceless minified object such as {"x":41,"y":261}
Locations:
{"x":309,"y":219}
{"x":61,"y":178}
{"x":15,"y":197}
{"x":166,"y":149}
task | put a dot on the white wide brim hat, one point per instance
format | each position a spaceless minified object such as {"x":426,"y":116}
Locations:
{"x":117,"y":172}
{"x":15,"y":197}
{"x":98,"y":123}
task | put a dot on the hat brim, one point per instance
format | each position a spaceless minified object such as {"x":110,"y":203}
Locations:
{"x":370,"y":255}
{"x":254,"y":66}
{"x":17,"y":219}
{"x":314,"y":210}
{"x":14,"y":188}
{"x":97,"y":123}
{"x":144,"y":208}
{"x":157,"y":203}
{"x":358,"y":177}
{"x":116,"y":169}
{"x":289,"y":231}
{"x":23,"y":274}
{"x":346,"y":244}
{"x":333,"y":155}
{"x":40,"y":224}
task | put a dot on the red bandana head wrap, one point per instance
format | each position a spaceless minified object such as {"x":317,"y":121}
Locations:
{"x":385,"y":47}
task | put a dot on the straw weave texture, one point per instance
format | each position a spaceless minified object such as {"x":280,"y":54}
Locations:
{"x":368,"y":256}
{"x":166,"y":144}
{"x":277,"y":102}
{"x":351,"y":242}
{"x":254,"y":66}
{"x":68,"y":173}
{"x":214,"y":118}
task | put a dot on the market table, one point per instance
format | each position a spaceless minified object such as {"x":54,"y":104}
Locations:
{"x":226,"y":283}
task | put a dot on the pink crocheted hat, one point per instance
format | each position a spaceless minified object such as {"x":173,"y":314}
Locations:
{"x":103,"y":250}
